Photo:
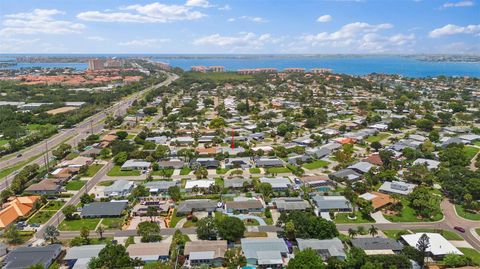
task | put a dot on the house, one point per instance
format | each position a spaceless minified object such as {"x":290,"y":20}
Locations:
{"x":361,"y":167}
{"x":277,"y":183}
{"x":286,"y":204}
{"x":91,"y":152}
{"x":159,"y":140}
{"x":45,"y":187}
{"x":64,"y":172}
{"x":186,"y":140}
{"x":431,"y":164}
{"x":160,"y":186}
{"x":244,"y":206}
{"x":142,"y":208}
{"x":136,"y":165}
{"x":256,"y":136}
{"x":206,"y":151}
{"x":439,"y":246}
{"x":299,"y":159}
{"x":232,"y":151}
{"x":346,"y":174}
{"x":205,"y":252}
{"x":119,"y":188}
{"x":317,"y":181}
{"x":16,"y":208}
{"x":189,"y":206}
{"x":469,"y":138}
{"x":397,"y":187}
{"x":336,"y":203}
{"x":451,"y":140}
{"x":77,"y":162}
{"x":200,"y":184}
{"x":209,"y":163}
{"x":265,"y":252}
{"x":318,"y":152}
{"x":379,"y":200}
{"x":374,"y":159}
{"x":24,"y":257}
{"x":149,"y":252}
{"x":268,"y":162}
{"x":172,"y":163}
{"x":206,"y":139}
{"x":78,"y":257}
{"x":238,"y":162}
{"x":103,"y":209}
{"x":377,"y":245}
{"x":325,"y":248}
{"x":236,"y":182}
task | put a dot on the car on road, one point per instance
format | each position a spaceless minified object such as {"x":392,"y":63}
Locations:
{"x":19,"y":155}
{"x":460,"y":229}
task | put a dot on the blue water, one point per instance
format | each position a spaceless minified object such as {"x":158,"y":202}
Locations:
{"x":340,"y":64}
{"x":347,"y":64}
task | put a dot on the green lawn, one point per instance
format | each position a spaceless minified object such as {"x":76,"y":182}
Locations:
{"x":3,"y":142}
{"x":408,"y":215}
{"x":53,"y":205}
{"x":117,"y":172}
{"x":189,"y":224}
{"x":251,"y":222}
{"x":470,"y":151}
{"x":477,"y":143}
{"x":93,"y":169}
{"x":75,"y":185}
{"x":472,"y":254}
{"x":316,"y":164}
{"x":113,"y":223}
{"x":277,"y":170}
{"x":72,"y":155}
{"x":131,"y":136}
{"x":185,"y":171}
{"x":218,"y":76}
{"x":219,"y":181}
{"x":377,"y":138}
{"x":175,"y":219}
{"x":343,"y":218}
{"x":106,"y":183}
{"x":41,"y":217}
{"x":7,"y":171}
{"x":395,"y":234}
{"x":222,"y":171}
{"x":254,"y":170}
{"x":76,"y":225}
{"x":449,"y":235}
{"x":166,"y":172}
{"x":466,"y":214}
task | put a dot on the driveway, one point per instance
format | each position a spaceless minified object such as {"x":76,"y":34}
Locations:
{"x":245,"y":217}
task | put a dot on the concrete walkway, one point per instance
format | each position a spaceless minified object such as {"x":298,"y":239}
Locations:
{"x":379,"y":218}
{"x":245,"y":217}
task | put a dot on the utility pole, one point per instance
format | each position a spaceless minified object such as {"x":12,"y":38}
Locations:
{"x":46,"y":153}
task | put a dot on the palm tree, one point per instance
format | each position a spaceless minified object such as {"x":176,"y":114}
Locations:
{"x":352,"y":233}
{"x":100,"y":230}
{"x":373,"y":231}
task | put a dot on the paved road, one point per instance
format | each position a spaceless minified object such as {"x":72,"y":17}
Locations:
{"x":72,"y":136}
{"x":450,"y":220}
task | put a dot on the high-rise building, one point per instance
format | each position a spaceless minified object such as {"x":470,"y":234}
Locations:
{"x":96,"y":64}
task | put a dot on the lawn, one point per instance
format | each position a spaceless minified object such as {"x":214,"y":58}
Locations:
{"x":3,"y":142}
{"x":218,"y":76}
{"x":7,"y":171}
{"x":72,"y":155}
{"x":449,"y":235}
{"x":53,"y":205}
{"x":277,"y":170}
{"x":166,"y":172}
{"x":117,"y":172}
{"x":175,"y":219}
{"x":131,"y":136}
{"x":343,"y":218}
{"x":76,"y":225}
{"x":472,"y":254}
{"x":255,"y":234}
{"x":113,"y":223}
{"x":185,"y":171}
{"x":408,"y":215}
{"x":75,"y":185}
{"x":106,"y":183}
{"x":465,"y":214}
{"x":219,"y":181}
{"x":251,"y":222}
{"x":395,"y":234}
{"x":377,"y":138}
{"x":254,"y":170}
{"x":93,"y":169}
{"x":470,"y":151}
{"x":189,"y":224}
{"x":41,"y":217}
{"x":477,"y":143}
{"x":222,"y":171}
{"x":316,"y":164}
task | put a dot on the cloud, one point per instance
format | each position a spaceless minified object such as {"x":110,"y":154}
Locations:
{"x":458,"y":4}
{"x":360,"y":37}
{"x":249,"y":18}
{"x":198,"y":3}
{"x":225,"y":7}
{"x":96,"y":38}
{"x":242,"y":41}
{"x":144,"y":42}
{"x":150,"y":13}
{"x":452,"y":29}
{"x":324,"y":18}
{"x":39,"y":21}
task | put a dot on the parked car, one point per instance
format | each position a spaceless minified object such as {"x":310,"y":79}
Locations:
{"x":460,"y":229}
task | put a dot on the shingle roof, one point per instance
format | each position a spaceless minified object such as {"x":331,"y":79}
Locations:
{"x":23,"y":257}
{"x":376,"y":243}
{"x":103,"y":209}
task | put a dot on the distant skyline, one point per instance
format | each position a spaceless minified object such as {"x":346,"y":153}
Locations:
{"x":240,"y":26}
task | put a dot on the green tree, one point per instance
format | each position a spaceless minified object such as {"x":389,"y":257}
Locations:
{"x":149,"y":231}
{"x":68,"y":211}
{"x":13,"y":235}
{"x":376,"y":145}
{"x":85,"y":234}
{"x":455,"y":260}
{"x":234,"y":258}
{"x":422,"y":245}
{"x":113,"y":256}
{"x":373,"y":231}
{"x":306,"y":259}
{"x":51,"y":233}
{"x":120,"y":158}
{"x":207,"y":229}
{"x":100,"y":230}
{"x":230,"y":228}
{"x":174,"y":193}
{"x":121,"y":135}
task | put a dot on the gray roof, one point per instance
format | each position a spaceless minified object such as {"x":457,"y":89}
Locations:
{"x":376,"y":243}
{"x":397,"y":187}
{"x":277,"y":182}
{"x":80,"y":252}
{"x":235,"y":182}
{"x":103,"y":209}
{"x":252,"y":246}
{"x":189,"y":205}
{"x":269,"y":162}
{"x":347,"y":173}
{"x":174,"y":163}
{"x":327,"y":248}
{"x":119,"y":186}
{"x":331,"y":202}
{"x":361,"y":167}
{"x":290,"y":203}
{"x":160,"y":185}
{"x":136,"y":163}
{"x":24,"y":257}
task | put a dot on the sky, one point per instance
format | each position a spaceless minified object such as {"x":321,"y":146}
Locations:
{"x":240,"y":26}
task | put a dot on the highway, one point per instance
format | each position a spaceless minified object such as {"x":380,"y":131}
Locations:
{"x":72,"y":136}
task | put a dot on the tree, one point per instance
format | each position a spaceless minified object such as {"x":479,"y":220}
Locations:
{"x":307,"y":225}
{"x":174,"y":193}
{"x":85,"y":234}
{"x":68,"y":211}
{"x":455,"y":260}
{"x":425,"y":124}
{"x":234,"y":258}
{"x":230,"y":228}
{"x":152,"y":212}
{"x":113,"y":256}
{"x":140,"y":191}
{"x":201,"y":172}
{"x":100,"y":230}
{"x":121,"y":135}
{"x":352,"y":233}
{"x":87,"y":199}
{"x":290,"y":230}
{"x":207,"y":229}
{"x":13,"y":235}
{"x":376,"y":145}
{"x":373,"y":231}
{"x":120,"y":158}
{"x":61,"y":151}
{"x":306,"y":259}
{"x":422,"y":245}
{"x":51,"y":233}
{"x":149,"y":231}
{"x":217,"y":123}
{"x":150,"y":110}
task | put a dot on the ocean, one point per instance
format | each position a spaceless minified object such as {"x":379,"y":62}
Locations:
{"x":346,"y":64}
